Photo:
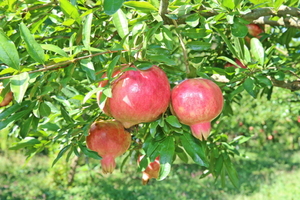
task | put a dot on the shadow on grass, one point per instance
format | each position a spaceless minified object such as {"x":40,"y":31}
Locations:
{"x":261,"y":167}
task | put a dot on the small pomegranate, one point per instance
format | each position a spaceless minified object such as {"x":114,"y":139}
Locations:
{"x":152,"y":170}
{"x":237,"y":62}
{"x":254,"y":30}
{"x":110,"y":140}
{"x":138,"y":96}
{"x":196,"y":102}
{"x":7,"y":98}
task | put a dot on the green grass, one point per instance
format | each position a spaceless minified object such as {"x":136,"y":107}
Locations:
{"x":267,"y":173}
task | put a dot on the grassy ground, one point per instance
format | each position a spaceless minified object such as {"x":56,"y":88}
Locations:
{"x":270,"y":173}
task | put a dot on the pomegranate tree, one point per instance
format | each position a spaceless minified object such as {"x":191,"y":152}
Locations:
{"x":110,"y":140}
{"x":152,"y":170}
{"x":138,"y":96}
{"x":196,"y":102}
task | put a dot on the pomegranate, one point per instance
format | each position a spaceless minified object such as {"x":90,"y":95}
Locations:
{"x":196,"y":102}
{"x":110,"y":140}
{"x":254,"y":30}
{"x":237,"y":62}
{"x":138,"y":96}
{"x":152,"y":170}
{"x":7,"y":98}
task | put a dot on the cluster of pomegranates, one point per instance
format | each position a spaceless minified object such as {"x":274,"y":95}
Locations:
{"x":141,"y":96}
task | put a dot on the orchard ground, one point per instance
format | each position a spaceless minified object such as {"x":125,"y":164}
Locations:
{"x":268,"y":167}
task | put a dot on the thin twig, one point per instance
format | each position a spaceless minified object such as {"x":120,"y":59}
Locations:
{"x":57,"y":65}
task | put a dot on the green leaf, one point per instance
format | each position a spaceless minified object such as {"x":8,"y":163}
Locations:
{"x":121,"y":23}
{"x":153,"y":126}
{"x":249,"y":87}
{"x":25,"y":143}
{"x":88,"y":67}
{"x":66,"y":115}
{"x":112,"y":6}
{"x":54,"y":48}
{"x":228,"y":43}
{"x":90,"y":94}
{"x":142,"y":6}
{"x":257,"y":50}
{"x":89,"y":153}
{"x":161,"y":59}
{"x":228,"y":4}
{"x":8,"y":52}
{"x":181,"y":154}
{"x":61,"y":153}
{"x":44,"y":109}
{"x":197,"y":33}
{"x":87,"y":31}
{"x":19,"y":84}
{"x":193,"y":20}
{"x":194,"y":149}
{"x":69,"y":10}
{"x":239,"y":30}
{"x":166,"y":152}
{"x":198,"y":46}
{"x":26,"y":125}
{"x":173,"y":121}
{"x":111,"y":66}
{"x":232,"y":174}
{"x":33,"y":48}
{"x":264,"y":80}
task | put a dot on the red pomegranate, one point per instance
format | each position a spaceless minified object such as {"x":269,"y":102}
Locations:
{"x":196,"y":102}
{"x":7,"y":98}
{"x":237,"y":62}
{"x":254,"y":30}
{"x":152,"y":170}
{"x":110,"y":140}
{"x":138,"y":96}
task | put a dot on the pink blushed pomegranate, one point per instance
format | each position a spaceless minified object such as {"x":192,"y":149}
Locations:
{"x":254,"y":30}
{"x":152,"y":170}
{"x":196,"y":102}
{"x":138,"y":96}
{"x":110,"y":140}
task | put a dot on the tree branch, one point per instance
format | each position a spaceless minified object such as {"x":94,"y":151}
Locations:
{"x":163,"y":10}
{"x":57,"y":65}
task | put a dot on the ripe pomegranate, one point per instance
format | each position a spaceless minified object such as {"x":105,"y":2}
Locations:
{"x":237,"y":62}
{"x":254,"y":30}
{"x":110,"y":140}
{"x":152,"y":170}
{"x":7,"y":98}
{"x":196,"y":102}
{"x":138,"y":96}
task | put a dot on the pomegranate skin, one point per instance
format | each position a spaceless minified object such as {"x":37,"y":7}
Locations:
{"x":138,"y":96}
{"x":110,"y":140}
{"x":152,"y":170}
{"x":196,"y":102}
{"x":254,"y":30}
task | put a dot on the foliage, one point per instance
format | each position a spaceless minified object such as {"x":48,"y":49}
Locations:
{"x":53,"y":54}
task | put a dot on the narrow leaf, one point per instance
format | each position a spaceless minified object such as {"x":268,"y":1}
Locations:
{"x":19,"y":84}
{"x":112,"y":6}
{"x":142,"y":6}
{"x":167,"y":150}
{"x":257,"y":50}
{"x":121,"y":23}
{"x":87,"y":31}
{"x":33,"y":48}
{"x":60,"y":154}
{"x":249,"y":87}
{"x":173,"y":121}
{"x":54,"y":48}
{"x":69,"y":10}
{"x":8,"y":52}
{"x":25,"y":143}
